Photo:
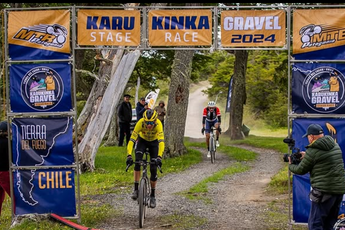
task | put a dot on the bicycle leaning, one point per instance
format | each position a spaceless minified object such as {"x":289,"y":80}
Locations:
{"x":144,"y":190}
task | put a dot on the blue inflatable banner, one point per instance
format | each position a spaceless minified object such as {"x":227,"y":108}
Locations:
{"x":334,"y":127}
{"x":40,"y":87}
{"x":318,"y":88}
{"x":42,"y":141}
{"x":45,"y":191}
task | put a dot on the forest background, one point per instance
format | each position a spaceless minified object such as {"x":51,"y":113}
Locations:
{"x":261,"y":94}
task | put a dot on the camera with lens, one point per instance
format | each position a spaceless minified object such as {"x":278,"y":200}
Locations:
{"x":296,"y":155}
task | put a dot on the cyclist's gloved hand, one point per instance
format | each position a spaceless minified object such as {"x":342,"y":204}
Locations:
{"x":159,"y":161}
{"x":202,"y":130}
{"x":129,"y":160}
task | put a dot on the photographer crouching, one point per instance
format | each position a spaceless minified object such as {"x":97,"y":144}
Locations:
{"x":323,"y":160}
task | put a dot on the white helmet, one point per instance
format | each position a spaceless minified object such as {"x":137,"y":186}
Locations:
{"x":211,"y":104}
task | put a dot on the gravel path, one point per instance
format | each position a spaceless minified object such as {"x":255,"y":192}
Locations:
{"x":238,"y":201}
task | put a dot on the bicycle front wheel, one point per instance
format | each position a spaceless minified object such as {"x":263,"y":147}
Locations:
{"x":212,"y":146}
{"x":142,"y":201}
{"x":213,"y":156}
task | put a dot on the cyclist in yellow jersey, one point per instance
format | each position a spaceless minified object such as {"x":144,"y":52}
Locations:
{"x":147,"y":133}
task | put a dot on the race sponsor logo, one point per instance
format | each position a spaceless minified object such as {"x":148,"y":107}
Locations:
{"x":323,"y":89}
{"x":42,"y":88}
{"x":45,"y":35}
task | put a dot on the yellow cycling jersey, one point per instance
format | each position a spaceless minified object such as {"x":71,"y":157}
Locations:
{"x":156,"y":133}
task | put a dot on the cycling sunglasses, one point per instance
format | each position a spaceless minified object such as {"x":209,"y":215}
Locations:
{"x":149,"y":122}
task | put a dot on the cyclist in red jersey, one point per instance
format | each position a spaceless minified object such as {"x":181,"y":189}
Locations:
{"x":211,"y":117}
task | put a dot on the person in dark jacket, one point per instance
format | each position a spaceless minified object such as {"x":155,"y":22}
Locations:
{"x":5,"y":186}
{"x":141,"y":108}
{"x":125,"y":118}
{"x":161,"y":111}
{"x":323,"y":159}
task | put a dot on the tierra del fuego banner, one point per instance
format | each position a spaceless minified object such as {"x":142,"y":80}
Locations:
{"x":39,"y":35}
{"x":180,"y":27}
{"x":109,"y":27}
{"x":43,"y":142}
{"x":319,"y":34}
{"x":244,"y":28}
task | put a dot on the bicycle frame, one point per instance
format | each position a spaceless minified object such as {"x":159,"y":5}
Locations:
{"x":144,"y":190}
{"x":212,"y":144}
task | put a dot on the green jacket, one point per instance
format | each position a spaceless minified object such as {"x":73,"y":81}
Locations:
{"x":324,"y":161}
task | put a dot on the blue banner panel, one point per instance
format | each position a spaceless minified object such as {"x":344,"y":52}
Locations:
{"x":42,"y":141}
{"x":228,"y":101}
{"x":40,"y":88}
{"x":300,"y":198}
{"x":334,"y":127}
{"x":45,"y":191}
{"x":318,"y":88}
{"x":335,"y":53}
{"x":301,"y":202}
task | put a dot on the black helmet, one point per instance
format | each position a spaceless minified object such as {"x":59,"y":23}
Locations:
{"x":150,"y":115}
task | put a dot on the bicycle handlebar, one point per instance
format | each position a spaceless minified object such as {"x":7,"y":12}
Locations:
{"x":151,"y":162}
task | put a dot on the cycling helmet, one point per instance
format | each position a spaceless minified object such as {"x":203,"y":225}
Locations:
{"x":150,"y":115}
{"x":211,"y":104}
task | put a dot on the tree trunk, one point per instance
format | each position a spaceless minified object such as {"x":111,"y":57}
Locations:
{"x":178,"y":104}
{"x":113,"y":131}
{"x":109,"y":63}
{"x":101,"y":118}
{"x":238,"y":97}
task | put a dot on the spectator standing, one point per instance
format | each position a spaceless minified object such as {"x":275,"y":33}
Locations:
{"x":4,"y":164}
{"x":125,"y":118}
{"x":160,"y":108}
{"x":323,"y":159}
{"x":141,"y":108}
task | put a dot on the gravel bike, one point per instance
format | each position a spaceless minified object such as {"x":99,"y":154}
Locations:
{"x":212,"y":144}
{"x":144,"y":189}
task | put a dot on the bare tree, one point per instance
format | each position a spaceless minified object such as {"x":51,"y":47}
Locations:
{"x":178,"y":103}
{"x":106,"y":108}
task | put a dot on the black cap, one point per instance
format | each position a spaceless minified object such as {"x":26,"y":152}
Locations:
{"x":313,"y":129}
{"x":3,"y":126}
{"x":142,"y":99}
{"x":127,"y":95}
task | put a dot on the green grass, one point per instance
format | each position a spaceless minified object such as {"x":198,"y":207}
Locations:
{"x":199,"y":191}
{"x":110,"y":177}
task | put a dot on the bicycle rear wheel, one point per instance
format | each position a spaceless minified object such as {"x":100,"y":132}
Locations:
{"x":142,"y":201}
